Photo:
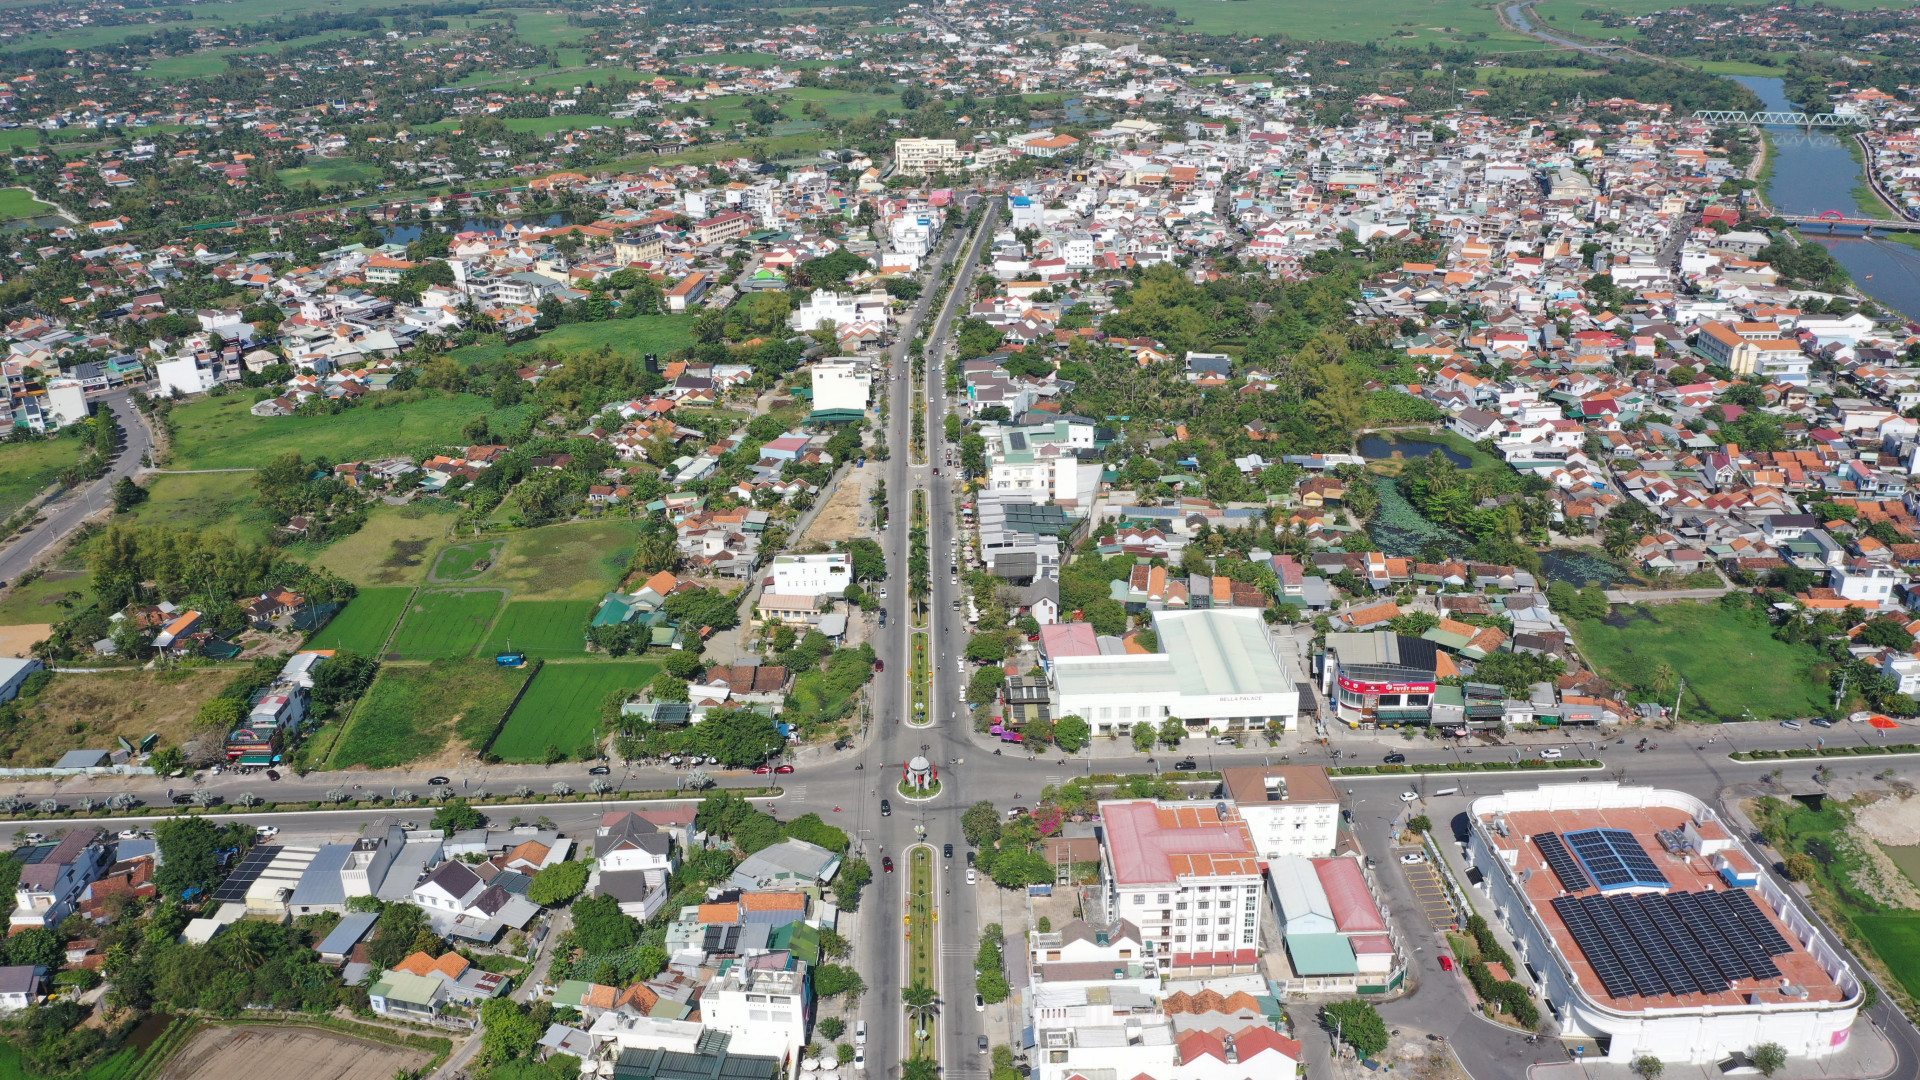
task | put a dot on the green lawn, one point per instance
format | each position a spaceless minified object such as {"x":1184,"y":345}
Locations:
{"x":17,"y":203}
{"x":465,"y":562}
{"x":632,"y":338}
{"x":564,"y":707}
{"x":541,"y":628}
{"x":26,"y":468}
{"x":1404,"y":22}
{"x":330,"y":173}
{"x":445,"y":623}
{"x":1896,"y":940}
{"x":1730,"y":665}
{"x":393,"y":547}
{"x":578,"y":561}
{"x":220,"y":432}
{"x":538,"y":125}
{"x":364,"y":624}
{"x":412,"y":712}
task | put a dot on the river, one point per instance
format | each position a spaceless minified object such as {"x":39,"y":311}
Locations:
{"x":1813,"y":173}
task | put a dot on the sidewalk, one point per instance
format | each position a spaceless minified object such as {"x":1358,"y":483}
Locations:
{"x":1867,"y":1056}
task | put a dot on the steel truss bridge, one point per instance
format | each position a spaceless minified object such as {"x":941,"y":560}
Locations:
{"x":1772,"y":119}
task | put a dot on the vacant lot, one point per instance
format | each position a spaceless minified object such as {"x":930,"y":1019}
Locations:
{"x":565,"y":562}
{"x":26,"y":468}
{"x":415,"y":712}
{"x":541,"y":628}
{"x":237,"y":1053}
{"x":83,"y":712}
{"x":1729,"y":664}
{"x":444,"y":622}
{"x":564,"y":706}
{"x":631,"y":338}
{"x":391,"y":548}
{"x":219,"y":433}
{"x":363,"y":625}
{"x":38,"y":601}
{"x":223,"y":500}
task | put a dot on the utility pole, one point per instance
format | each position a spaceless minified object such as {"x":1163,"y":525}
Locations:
{"x":1678,"y":694}
{"x":1840,"y":694}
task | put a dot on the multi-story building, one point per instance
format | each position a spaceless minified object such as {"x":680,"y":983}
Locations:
{"x":1189,"y":878}
{"x":50,"y":887}
{"x":841,"y":382}
{"x":764,"y":1009}
{"x":826,"y":574}
{"x":916,"y":157}
{"x":1217,"y":671}
{"x":722,"y":227}
{"x":1289,"y":809}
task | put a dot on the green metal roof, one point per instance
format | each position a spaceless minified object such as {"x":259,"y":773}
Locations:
{"x":1321,"y":954}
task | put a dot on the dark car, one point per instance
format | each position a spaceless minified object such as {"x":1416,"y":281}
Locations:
{"x":883,"y":616}
{"x":879,"y":664}
{"x":440,"y":781}
{"x":599,"y":770}
{"x":886,"y":808}
{"x":273,"y":774}
{"x":969,"y":860}
{"x":182,"y":799}
{"x":1395,"y":759}
{"x":887,"y":864}
{"x":1186,"y":765}
{"x":949,"y":851}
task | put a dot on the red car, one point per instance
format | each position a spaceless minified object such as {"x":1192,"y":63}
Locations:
{"x":784,"y":769}
{"x":879,"y":665}
{"x":887,"y":864}
{"x":1446,"y":963}
{"x":763,"y":769}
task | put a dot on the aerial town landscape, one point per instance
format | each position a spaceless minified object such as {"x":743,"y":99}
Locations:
{"x":1427,"y":489}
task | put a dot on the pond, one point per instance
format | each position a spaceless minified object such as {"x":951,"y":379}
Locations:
{"x":1582,"y":567}
{"x":1379,"y":447}
{"x":1402,"y":531}
{"x":149,"y":1030}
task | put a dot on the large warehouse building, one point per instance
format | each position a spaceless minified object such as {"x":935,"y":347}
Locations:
{"x":1216,"y":670}
{"x":1648,"y":927}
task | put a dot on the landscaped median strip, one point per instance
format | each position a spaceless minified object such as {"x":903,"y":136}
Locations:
{"x":510,"y":801}
{"x":923,"y":949}
{"x":1444,"y":768}
{"x":921,"y":669}
{"x":1867,"y":750}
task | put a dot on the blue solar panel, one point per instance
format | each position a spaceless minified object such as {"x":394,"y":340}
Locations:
{"x":1572,"y":878}
{"x":1615,"y":860}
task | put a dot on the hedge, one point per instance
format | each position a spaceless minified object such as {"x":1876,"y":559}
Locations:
{"x":1443,"y":767}
{"x":1826,"y":751}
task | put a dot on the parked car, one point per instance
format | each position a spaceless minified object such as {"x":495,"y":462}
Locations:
{"x":1395,"y":759}
{"x":887,"y":864}
{"x":273,"y":774}
{"x":1348,"y":815}
{"x":1016,"y":811}
{"x":598,"y":770}
{"x":860,"y":1057}
{"x":1446,"y":962}
{"x":859,"y":1033}
{"x":266,"y":832}
{"x":1820,"y":721}
{"x":970,"y":875}
{"x":1412,"y":858}
{"x":883,"y":616}
{"x":440,"y":781}
{"x":983,"y":1044}
{"x":883,"y":592}
{"x":783,"y":769}
{"x":763,"y":770}
{"x":1794,"y":724}
{"x":879,"y":664}
{"x":979,"y":1003}
{"x":969,"y":860}
{"x":1550,"y":753}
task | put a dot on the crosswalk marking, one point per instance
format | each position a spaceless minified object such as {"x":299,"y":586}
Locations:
{"x":1055,"y":778}
{"x":797,"y":792}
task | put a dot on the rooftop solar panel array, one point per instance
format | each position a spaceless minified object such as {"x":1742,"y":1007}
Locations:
{"x":1561,"y":862}
{"x":1614,"y":859}
{"x":244,"y":875}
{"x":1677,"y":943}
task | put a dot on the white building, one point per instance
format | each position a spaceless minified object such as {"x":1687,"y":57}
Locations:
{"x":49,"y":889}
{"x":192,"y":375}
{"x":914,"y":157}
{"x":1217,"y":671}
{"x":1289,"y":809}
{"x":1189,"y":879}
{"x":1864,"y":582}
{"x":764,"y":1010}
{"x":825,"y":307}
{"x":1600,"y":976}
{"x":810,"y":575}
{"x":841,"y":382}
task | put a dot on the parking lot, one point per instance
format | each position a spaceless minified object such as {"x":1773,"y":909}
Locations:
{"x":1430,"y":895}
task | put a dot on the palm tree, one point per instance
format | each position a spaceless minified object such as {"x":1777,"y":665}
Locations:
{"x":921,"y":1001}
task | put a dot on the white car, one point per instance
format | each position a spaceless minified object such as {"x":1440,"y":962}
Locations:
{"x":1550,"y":753}
{"x":859,"y":1033}
{"x":883,"y":592}
{"x":268,"y":832}
{"x":1413,"y":857}
{"x":860,"y":1058}
{"x":1409,"y":796}
{"x":970,"y":876}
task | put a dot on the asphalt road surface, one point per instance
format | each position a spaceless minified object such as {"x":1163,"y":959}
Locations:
{"x":65,"y":514}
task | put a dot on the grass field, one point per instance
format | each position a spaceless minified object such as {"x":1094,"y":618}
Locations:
{"x":538,"y":125}
{"x":230,"y":12}
{"x":563,"y":707}
{"x":391,"y":548}
{"x":444,"y":623}
{"x":413,"y":712}
{"x":38,"y":600}
{"x":564,"y":562}
{"x":1729,"y":665}
{"x":220,"y":433}
{"x":541,"y":628}
{"x":464,"y":562}
{"x":26,"y":468}
{"x":363,"y":625}
{"x":1408,"y":22}
{"x":632,"y":338}
{"x":18,"y":203}
{"x":1896,"y":940}
{"x":225,"y":501}
{"x":332,"y":173}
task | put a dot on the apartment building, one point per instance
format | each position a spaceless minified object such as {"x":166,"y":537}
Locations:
{"x":1189,"y":877}
{"x":1289,"y":809}
{"x":916,"y":157}
{"x":811,"y":575}
{"x":841,"y":382}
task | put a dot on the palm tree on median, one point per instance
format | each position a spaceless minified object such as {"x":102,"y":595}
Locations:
{"x":921,"y":1001}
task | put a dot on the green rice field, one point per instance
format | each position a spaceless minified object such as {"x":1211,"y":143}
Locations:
{"x":544,"y":629}
{"x":364,"y":624}
{"x":564,"y":706}
{"x":445,"y":623}
{"x":416,"y":711}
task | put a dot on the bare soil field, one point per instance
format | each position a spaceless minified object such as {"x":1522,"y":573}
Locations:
{"x":840,"y":518}
{"x":78,"y":711}
{"x":15,"y":641}
{"x":238,"y":1053}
